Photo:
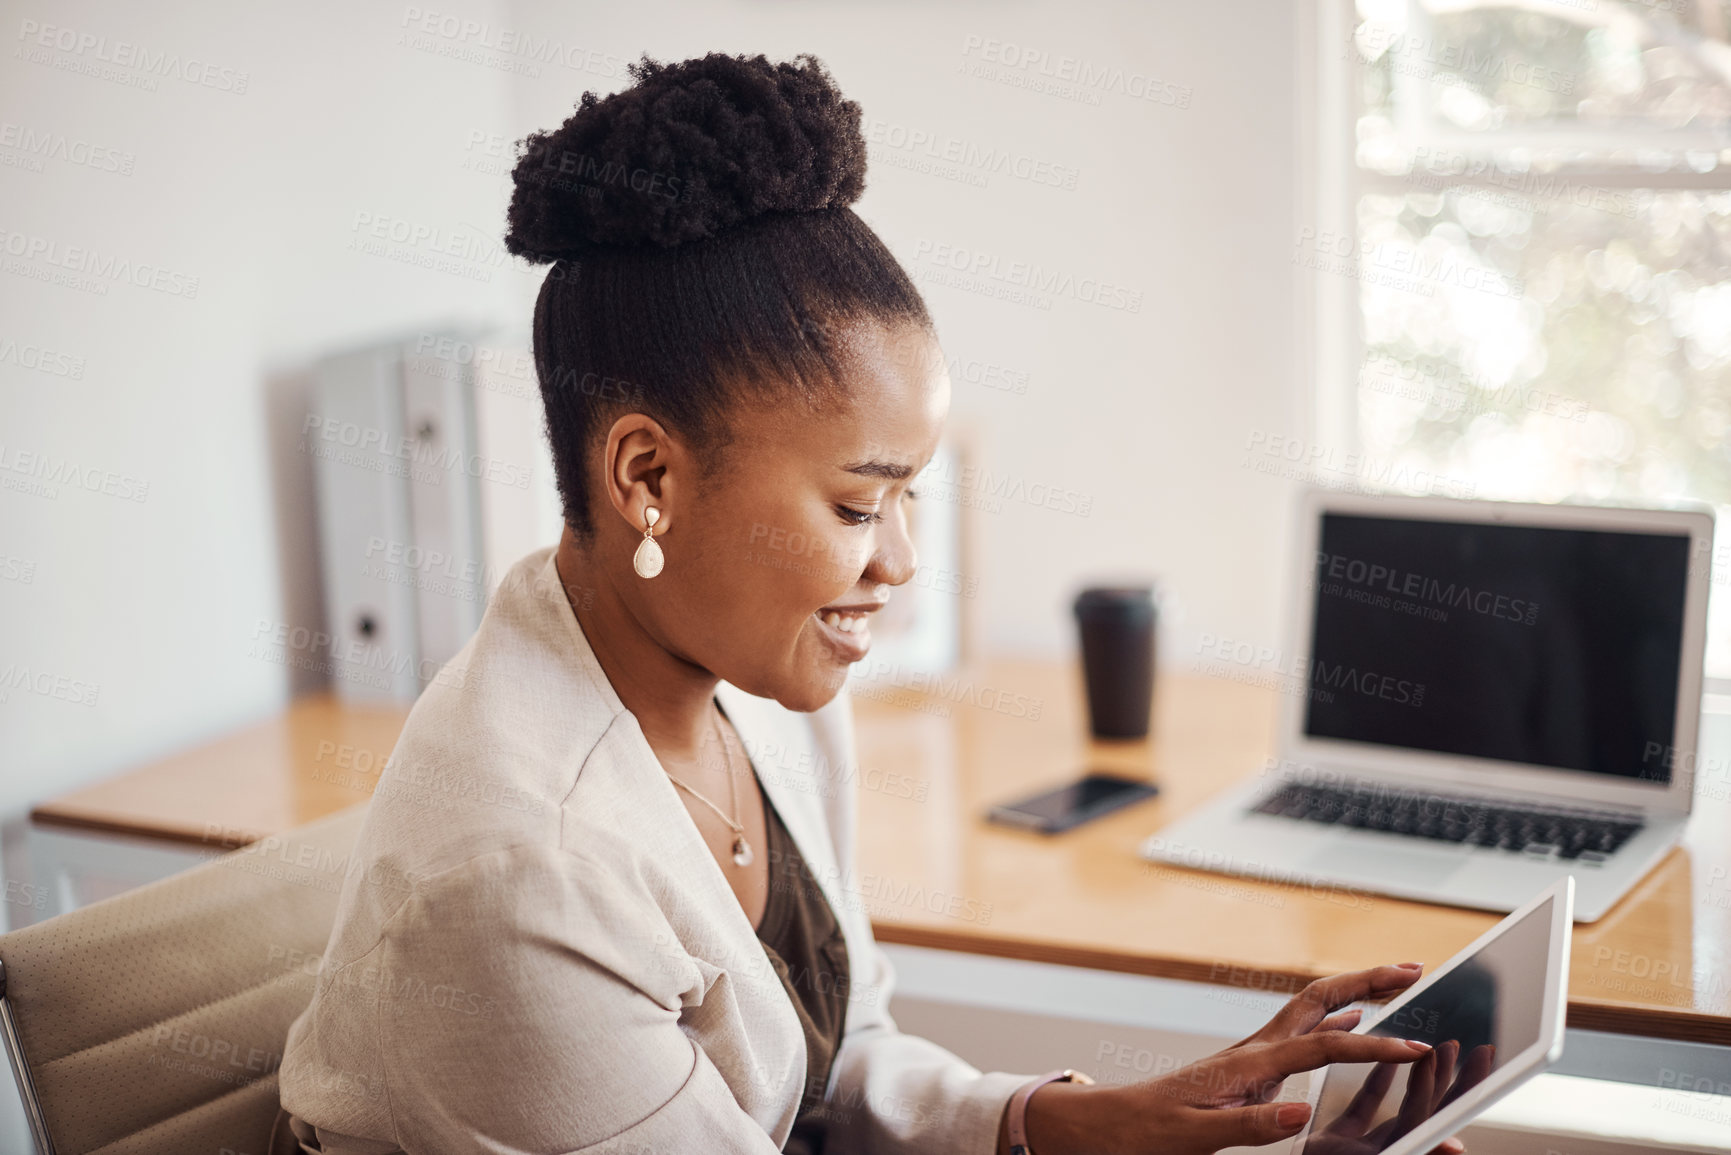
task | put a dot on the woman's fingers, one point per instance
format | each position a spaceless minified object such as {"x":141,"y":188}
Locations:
{"x":1319,"y":1048}
{"x":1271,"y":1122}
{"x":1255,"y":1073}
{"x":1218,"y":1127}
{"x":1344,"y":1021}
{"x":1315,"y":1002}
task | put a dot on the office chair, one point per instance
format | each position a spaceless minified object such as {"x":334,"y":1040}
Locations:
{"x":154,"y":1021}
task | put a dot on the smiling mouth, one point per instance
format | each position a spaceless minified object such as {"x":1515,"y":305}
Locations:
{"x":847,"y":629}
{"x":847,"y":621}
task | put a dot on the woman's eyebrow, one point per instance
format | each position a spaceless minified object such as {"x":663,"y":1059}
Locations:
{"x":884,"y":469}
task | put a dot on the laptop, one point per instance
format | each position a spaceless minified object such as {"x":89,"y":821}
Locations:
{"x":1479,"y":699}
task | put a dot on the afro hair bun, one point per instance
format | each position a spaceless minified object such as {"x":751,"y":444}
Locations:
{"x":687,"y":151}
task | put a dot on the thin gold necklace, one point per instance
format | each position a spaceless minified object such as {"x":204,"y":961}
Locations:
{"x":742,"y":855}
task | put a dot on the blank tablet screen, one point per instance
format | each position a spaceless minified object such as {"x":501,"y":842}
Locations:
{"x":1486,"y":1011}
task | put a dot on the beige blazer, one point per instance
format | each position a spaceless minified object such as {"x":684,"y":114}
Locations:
{"x":535,"y":951}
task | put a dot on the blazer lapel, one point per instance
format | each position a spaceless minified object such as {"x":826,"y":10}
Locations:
{"x":765,"y":1067}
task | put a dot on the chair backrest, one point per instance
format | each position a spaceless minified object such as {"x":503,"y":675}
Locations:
{"x":154,"y":1021}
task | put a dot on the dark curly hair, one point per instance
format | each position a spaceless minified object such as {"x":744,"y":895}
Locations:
{"x":703,"y":250}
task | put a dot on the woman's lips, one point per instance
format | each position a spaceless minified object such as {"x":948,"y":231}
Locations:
{"x":846,"y":629}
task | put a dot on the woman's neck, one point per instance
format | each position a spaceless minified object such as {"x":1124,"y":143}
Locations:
{"x":669,"y":696}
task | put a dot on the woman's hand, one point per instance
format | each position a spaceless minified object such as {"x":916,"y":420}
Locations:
{"x":1428,"y":1090}
{"x":1227,"y":1099}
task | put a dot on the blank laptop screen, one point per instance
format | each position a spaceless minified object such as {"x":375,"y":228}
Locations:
{"x":1553,"y":647}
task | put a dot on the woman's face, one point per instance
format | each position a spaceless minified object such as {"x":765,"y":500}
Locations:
{"x":778,"y":560}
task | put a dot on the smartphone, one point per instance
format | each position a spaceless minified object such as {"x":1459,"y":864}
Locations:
{"x":1073,"y":804}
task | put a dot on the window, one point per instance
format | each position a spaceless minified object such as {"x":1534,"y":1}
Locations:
{"x":1528,"y":223}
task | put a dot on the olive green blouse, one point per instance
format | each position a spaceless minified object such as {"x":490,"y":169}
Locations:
{"x":804,"y":943}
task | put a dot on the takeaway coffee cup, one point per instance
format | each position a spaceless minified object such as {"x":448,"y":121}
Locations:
{"x":1117,"y":628}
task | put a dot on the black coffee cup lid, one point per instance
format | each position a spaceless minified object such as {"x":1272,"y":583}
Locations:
{"x":1119,"y":600}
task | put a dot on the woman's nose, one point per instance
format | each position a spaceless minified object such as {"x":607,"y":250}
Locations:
{"x":895,"y":559}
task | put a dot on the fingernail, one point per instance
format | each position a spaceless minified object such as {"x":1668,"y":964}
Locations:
{"x":1416,"y":1045}
{"x":1410,"y":966}
{"x":1292,"y":1115}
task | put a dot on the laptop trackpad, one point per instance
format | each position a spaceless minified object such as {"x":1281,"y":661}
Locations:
{"x":1397,"y":864}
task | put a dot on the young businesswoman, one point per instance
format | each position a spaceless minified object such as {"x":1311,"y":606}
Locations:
{"x":604,"y":897}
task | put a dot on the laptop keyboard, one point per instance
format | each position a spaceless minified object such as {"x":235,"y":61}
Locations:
{"x":1585,"y":835}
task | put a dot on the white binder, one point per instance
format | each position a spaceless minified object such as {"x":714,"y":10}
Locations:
{"x":444,"y":502}
{"x":393,"y":437}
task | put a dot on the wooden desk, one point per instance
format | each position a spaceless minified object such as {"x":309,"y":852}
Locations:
{"x":1084,"y":898}
{"x":316,"y":758}
{"x":933,"y":873}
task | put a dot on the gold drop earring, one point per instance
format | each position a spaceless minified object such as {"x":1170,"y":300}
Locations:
{"x":649,"y":559}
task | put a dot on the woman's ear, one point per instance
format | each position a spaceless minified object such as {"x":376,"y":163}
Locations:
{"x":642,"y":467}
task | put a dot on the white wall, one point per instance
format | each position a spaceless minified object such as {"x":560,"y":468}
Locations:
{"x":155,"y":602}
{"x":1140,"y":417}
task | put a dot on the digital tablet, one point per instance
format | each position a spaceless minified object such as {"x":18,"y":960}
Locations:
{"x":1493,"y":1013}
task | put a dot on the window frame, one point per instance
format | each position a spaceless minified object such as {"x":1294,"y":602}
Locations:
{"x":1332,"y":182}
